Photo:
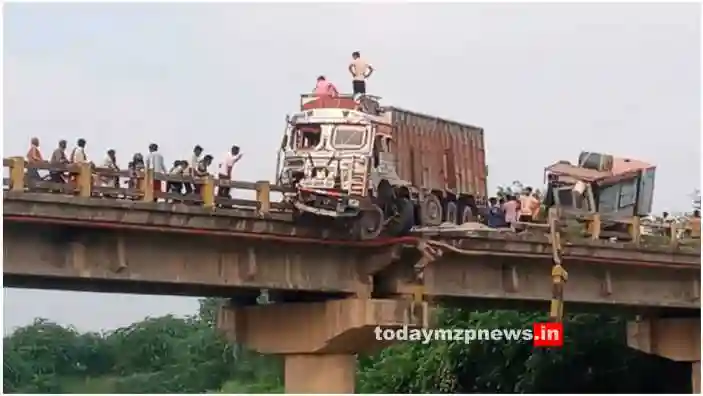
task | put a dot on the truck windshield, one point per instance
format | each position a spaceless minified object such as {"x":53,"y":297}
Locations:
{"x":349,"y":137}
{"x":306,"y":137}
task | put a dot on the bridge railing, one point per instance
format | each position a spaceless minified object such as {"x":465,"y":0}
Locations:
{"x":605,"y":226}
{"x":87,"y":180}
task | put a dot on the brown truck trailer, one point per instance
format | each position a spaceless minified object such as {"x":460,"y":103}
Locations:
{"x":443,"y":157}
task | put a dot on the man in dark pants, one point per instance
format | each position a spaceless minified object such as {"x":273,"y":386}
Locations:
{"x":360,"y":71}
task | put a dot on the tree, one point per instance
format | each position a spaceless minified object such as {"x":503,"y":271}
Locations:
{"x":515,"y":188}
{"x":696,"y":197}
{"x":187,"y":355}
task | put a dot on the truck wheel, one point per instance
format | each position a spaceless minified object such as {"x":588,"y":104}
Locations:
{"x":430,"y":211}
{"x":404,"y":220}
{"x":450,"y":212}
{"x":369,"y":224}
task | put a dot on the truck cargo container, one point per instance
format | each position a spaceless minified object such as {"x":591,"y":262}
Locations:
{"x":376,"y":168}
{"x":442,"y":156}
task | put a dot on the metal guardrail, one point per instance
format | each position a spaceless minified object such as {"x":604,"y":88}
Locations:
{"x":593,"y":226}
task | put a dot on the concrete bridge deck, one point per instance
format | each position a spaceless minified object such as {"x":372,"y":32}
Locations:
{"x":109,"y":245}
{"x":333,"y":291}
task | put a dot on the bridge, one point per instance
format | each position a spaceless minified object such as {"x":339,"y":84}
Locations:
{"x":330,"y":291}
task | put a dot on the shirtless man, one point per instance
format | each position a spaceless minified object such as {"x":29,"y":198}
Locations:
{"x":360,"y":71}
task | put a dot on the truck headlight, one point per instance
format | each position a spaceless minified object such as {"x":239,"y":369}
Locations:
{"x":354,"y":203}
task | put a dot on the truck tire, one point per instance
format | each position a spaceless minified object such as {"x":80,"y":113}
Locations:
{"x":451,"y":212}
{"x":404,"y":220}
{"x":430,"y":211}
{"x":369,"y":224}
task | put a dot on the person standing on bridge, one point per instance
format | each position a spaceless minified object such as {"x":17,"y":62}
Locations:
{"x":135,"y":167}
{"x":179,"y":167}
{"x":58,"y":158}
{"x":190,"y":170}
{"x":528,"y":206}
{"x":511,"y":210}
{"x":78,"y":155}
{"x":34,"y":156}
{"x":200,"y":171}
{"x":360,"y":71}
{"x":495,"y":217}
{"x":225,"y":170}
{"x":155,"y":162}
{"x":110,"y":162}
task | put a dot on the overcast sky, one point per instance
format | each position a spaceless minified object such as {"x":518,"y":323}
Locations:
{"x":545,"y":81}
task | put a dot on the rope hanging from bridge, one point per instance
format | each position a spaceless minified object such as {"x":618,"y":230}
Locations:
{"x":431,"y":250}
{"x":559,"y":274}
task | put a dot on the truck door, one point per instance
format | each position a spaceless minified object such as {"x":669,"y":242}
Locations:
{"x":383,"y":165}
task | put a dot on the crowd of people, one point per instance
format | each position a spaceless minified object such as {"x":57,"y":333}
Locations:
{"x":505,"y":211}
{"x":197,"y":167}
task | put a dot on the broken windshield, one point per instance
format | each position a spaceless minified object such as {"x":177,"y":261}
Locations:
{"x":306,"y":137}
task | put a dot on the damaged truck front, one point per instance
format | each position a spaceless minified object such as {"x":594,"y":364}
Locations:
{"x":373,"y":169}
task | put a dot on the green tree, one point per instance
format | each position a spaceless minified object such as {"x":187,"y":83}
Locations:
{"x":187,"y":355}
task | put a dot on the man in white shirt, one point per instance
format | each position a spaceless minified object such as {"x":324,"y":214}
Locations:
{"x":197,"y":156}
{"x":78,"y":155}
{"x":190,"y":168}
{"x":155,"y":162}
{"x":225,"y":169}
{"x":110,"y":162}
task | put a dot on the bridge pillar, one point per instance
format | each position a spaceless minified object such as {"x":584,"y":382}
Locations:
{"x":320,"y":373}
{"x":319,"y":341}
{"x":678,"y":339}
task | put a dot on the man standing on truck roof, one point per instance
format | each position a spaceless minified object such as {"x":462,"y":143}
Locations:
{"x":360,"y":71}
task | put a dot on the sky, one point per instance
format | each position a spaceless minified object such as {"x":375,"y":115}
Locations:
{"x":545,"y":81}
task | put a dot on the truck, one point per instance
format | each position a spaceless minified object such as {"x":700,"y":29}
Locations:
{"x":602,"y":183}
{"x":375,"y":169}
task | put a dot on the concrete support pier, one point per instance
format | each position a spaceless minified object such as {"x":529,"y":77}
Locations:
{"x":320,"y":373}
{"x":321,"y":340}
{"x":678,"y":339}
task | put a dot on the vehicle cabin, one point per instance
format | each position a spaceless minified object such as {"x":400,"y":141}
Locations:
{"x":619,"y":186}
{"x":331,"y":141}
{"x":345,"y":113}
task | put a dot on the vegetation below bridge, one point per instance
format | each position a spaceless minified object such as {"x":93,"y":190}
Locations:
{"x":187,"y":355}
